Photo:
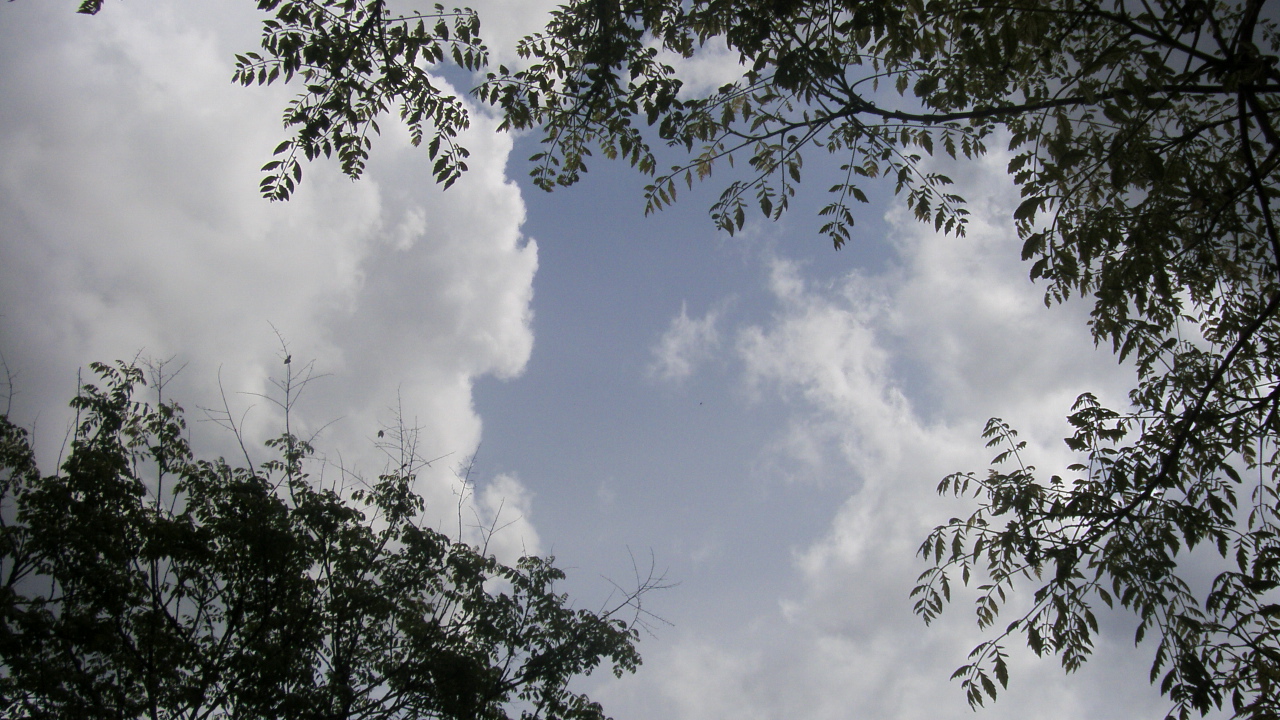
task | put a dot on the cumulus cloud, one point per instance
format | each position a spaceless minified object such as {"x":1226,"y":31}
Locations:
{"x":128,"y":168}
{"x":504,"y":24}
{"x":503,"y":519}
{"x":128,"y":175}
{"x":889,"y":378}
{"x":822,"y":350}
{"x":686,"y":343}
{"x":713,"y":66}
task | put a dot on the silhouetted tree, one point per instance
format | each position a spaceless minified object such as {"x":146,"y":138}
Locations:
{"x":140,"y":582}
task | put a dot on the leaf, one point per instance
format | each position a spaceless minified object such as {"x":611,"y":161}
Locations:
{"x":988,"y":686}
{"x":214,"y":582}
{"x":1026,"y":211}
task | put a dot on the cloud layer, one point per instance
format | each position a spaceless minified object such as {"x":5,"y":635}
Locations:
{"x":128,"y":169}
{"x":889,"y":378}
{"x":687,"y":343}
{"x":128,"y":165}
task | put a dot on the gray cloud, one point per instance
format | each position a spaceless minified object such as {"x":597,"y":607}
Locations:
{"x":128,"y":175}
{"x":889,"y":378}
{"x":686,"y":343}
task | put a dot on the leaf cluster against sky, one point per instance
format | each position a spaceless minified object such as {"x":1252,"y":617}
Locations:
{"x":783,"y":474}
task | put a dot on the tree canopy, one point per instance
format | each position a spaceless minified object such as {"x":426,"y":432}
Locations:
{"x":141,"y":581}
{"x":1144,"y":143}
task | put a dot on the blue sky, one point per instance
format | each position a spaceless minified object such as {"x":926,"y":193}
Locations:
{"x":764,"y":417}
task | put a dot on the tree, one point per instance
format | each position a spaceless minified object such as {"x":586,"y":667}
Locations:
{"x":1146,"y":150}
{"x":143,"y":582}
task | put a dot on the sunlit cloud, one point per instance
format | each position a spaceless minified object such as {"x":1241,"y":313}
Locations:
{"x":128,"y":170}
{"x":687,"y":343}
{"x":889,"y":378}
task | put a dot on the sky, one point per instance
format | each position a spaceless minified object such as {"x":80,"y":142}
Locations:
{"x":760,"y":419}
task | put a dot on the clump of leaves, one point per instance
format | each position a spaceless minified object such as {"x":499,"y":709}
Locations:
{"x":140,"y":581}
{"x":356,"y":61}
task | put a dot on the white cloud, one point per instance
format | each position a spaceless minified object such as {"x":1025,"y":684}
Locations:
{"x":702,"y":680}
{"x":502,"y":519}
{"x":957,"y":323}
{"x":128,"y":168}
{"x":504,"y":24}
{"x":686,"y":343}
{"x":128,"y":175}
{"x":822,"y":348}
{"x":713,"y":66}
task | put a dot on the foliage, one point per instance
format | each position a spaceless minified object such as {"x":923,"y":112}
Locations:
{"x":1144,"y":143}
{"x":356,"y":60}
{"x":143,"y":582}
